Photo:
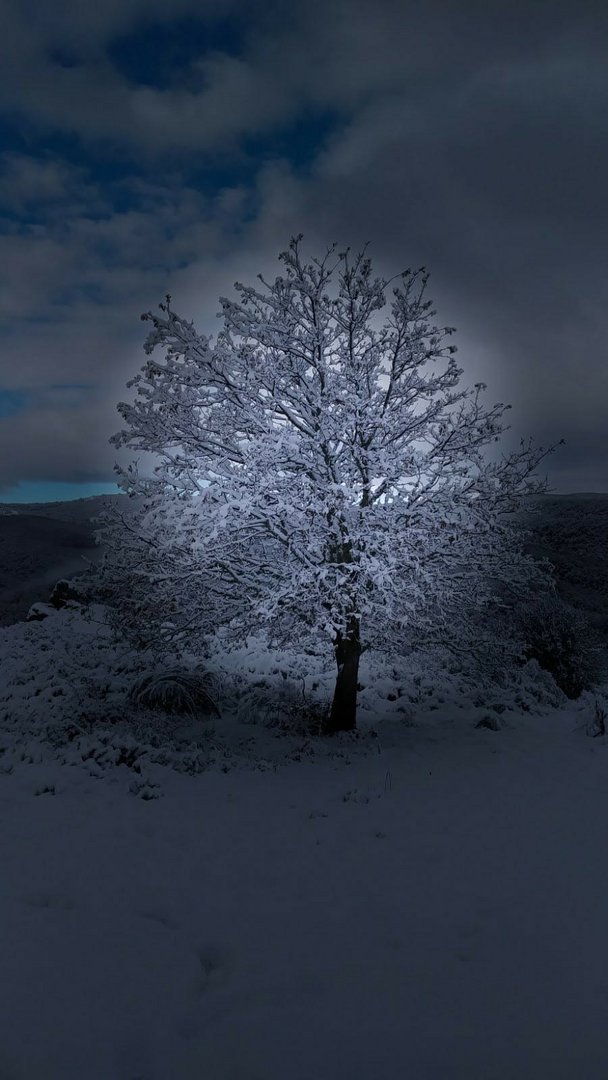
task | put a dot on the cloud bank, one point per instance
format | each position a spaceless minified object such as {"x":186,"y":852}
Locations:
{"x":150,"y":149}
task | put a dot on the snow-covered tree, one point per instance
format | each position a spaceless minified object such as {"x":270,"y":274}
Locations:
{"x":323,"y":475}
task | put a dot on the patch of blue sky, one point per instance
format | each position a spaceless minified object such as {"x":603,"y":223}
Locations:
{"x":105,"y":174}
{"x":21,"y":135}
{"x":93,"y":292}
{"x":14,"y":134}
{"x":64,"y":57}
{"x":34,"y":491}
{"x":63,"y":395}
{"x":124,"y":180}
{"x":161,"y":54}
{"x":299,"y":142}
{"x":13,"y":402}
{"x":101,"y":164}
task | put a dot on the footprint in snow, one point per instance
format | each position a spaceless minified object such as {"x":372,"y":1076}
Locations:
{"x":214,"y":968}
{"x":47,"y":900}
{"x":468,"y":933}
{"x":158,"y":916}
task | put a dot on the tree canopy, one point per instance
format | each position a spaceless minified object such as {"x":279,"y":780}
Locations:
{"x":323,"y":475}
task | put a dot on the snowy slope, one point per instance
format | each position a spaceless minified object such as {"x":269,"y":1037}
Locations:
{"x":425,"y":902}
{"x":225,"y":900}
{"x":74,"y":511}
{"x":434,"y":909}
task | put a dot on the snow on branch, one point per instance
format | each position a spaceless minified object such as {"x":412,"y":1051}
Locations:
{"x":317,"y":468}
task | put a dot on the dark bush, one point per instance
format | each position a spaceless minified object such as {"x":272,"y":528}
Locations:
{"x":561,"y":640}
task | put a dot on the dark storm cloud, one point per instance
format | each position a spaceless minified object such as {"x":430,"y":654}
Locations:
{"x":468,"y":137}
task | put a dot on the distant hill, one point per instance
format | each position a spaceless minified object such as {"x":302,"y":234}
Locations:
{"x":79,"y":511}
{"x":41,"y":543}
{"x":572,"y":531}
{"x":579,"y":496}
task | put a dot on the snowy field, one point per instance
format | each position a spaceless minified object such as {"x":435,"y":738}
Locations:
{"x":424,"y":901}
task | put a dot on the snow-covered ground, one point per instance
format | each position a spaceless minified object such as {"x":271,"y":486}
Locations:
{"x":436,"y":908}
{"x":221,"y":900}
{"x":425,"y":902}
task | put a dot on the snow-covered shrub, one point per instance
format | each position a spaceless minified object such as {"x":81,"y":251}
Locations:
{"x":282,"y":708}
{"x":66,"y":594}
{"x":286,"y":689}
{"x":176,"y":691}
{"x":561,"y":640}
{"x":39,"y":611}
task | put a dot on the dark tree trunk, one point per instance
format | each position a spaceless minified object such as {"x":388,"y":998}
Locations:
{"x":347,"y":648}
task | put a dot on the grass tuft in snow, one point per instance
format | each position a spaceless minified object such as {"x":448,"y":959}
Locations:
{"x":175,"y":691}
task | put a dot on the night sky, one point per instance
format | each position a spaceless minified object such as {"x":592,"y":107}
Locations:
{"x":152,"y":147}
